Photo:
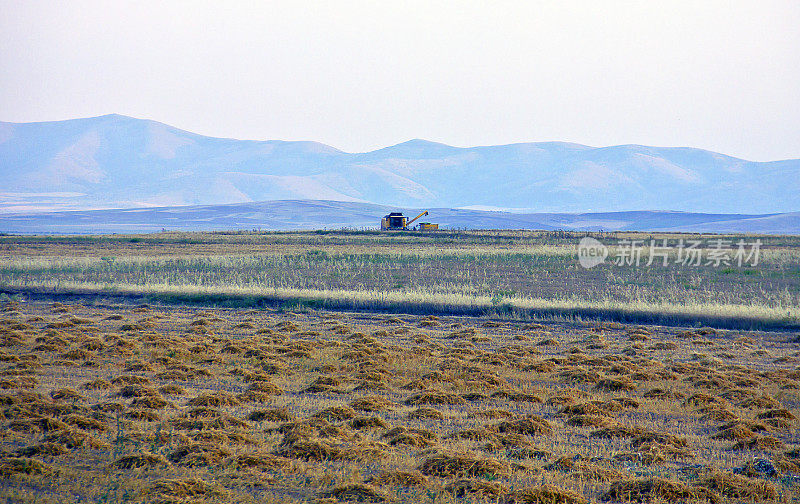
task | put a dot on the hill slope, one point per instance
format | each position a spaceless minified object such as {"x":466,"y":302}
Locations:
{"x":120,"y":162}
{"x":315,"y":214}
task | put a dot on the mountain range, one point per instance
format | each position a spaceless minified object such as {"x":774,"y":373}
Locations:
{"x":119,"y":162}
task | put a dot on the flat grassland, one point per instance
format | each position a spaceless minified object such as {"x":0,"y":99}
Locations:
{"x":527,"y":273}
{"x":508,"y":393}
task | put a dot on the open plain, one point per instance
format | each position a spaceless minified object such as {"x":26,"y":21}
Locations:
{"x":130,"y":374}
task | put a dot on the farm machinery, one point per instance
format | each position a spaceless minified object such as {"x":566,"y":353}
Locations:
{"x":396,"y":221}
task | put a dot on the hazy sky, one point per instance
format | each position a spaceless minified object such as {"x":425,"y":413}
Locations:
{"x":721,"y":75}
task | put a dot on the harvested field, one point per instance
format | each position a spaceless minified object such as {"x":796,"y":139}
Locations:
{"x":165,"y":413}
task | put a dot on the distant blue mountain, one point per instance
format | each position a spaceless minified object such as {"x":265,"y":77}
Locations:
{"x":115,"y":161}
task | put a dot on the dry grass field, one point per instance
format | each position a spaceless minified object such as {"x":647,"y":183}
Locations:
{"x":483,"y":366}
{"x":524,"y":273}
{"x":175,"y":404}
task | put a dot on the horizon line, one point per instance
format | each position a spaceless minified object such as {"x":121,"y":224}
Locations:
{"x":413,"y":140}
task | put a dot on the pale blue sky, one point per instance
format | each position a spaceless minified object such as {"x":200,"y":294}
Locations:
{"x":720,"y":75}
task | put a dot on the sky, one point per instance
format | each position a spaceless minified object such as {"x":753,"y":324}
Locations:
{"x":718,"y":75}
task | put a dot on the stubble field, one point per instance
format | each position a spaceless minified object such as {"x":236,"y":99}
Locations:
{"x":173,"y":404}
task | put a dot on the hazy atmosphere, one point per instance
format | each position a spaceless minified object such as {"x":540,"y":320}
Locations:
{"x":717,"y":75}
{"x":399,"y":252}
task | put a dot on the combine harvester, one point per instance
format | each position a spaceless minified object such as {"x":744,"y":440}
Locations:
{"x":396,"y":221}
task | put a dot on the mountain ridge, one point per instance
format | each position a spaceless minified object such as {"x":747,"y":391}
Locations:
{"x":410,"y":141}
{"x":115,"y":161}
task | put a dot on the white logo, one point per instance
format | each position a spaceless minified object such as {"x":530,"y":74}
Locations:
{"x":591,"y":252}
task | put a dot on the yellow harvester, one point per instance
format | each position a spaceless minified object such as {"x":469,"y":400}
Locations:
{"x":396,"y":221}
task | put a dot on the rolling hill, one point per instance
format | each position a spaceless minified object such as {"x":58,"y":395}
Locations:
{"x":115,"y":161}
{"x":318,"y":214}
